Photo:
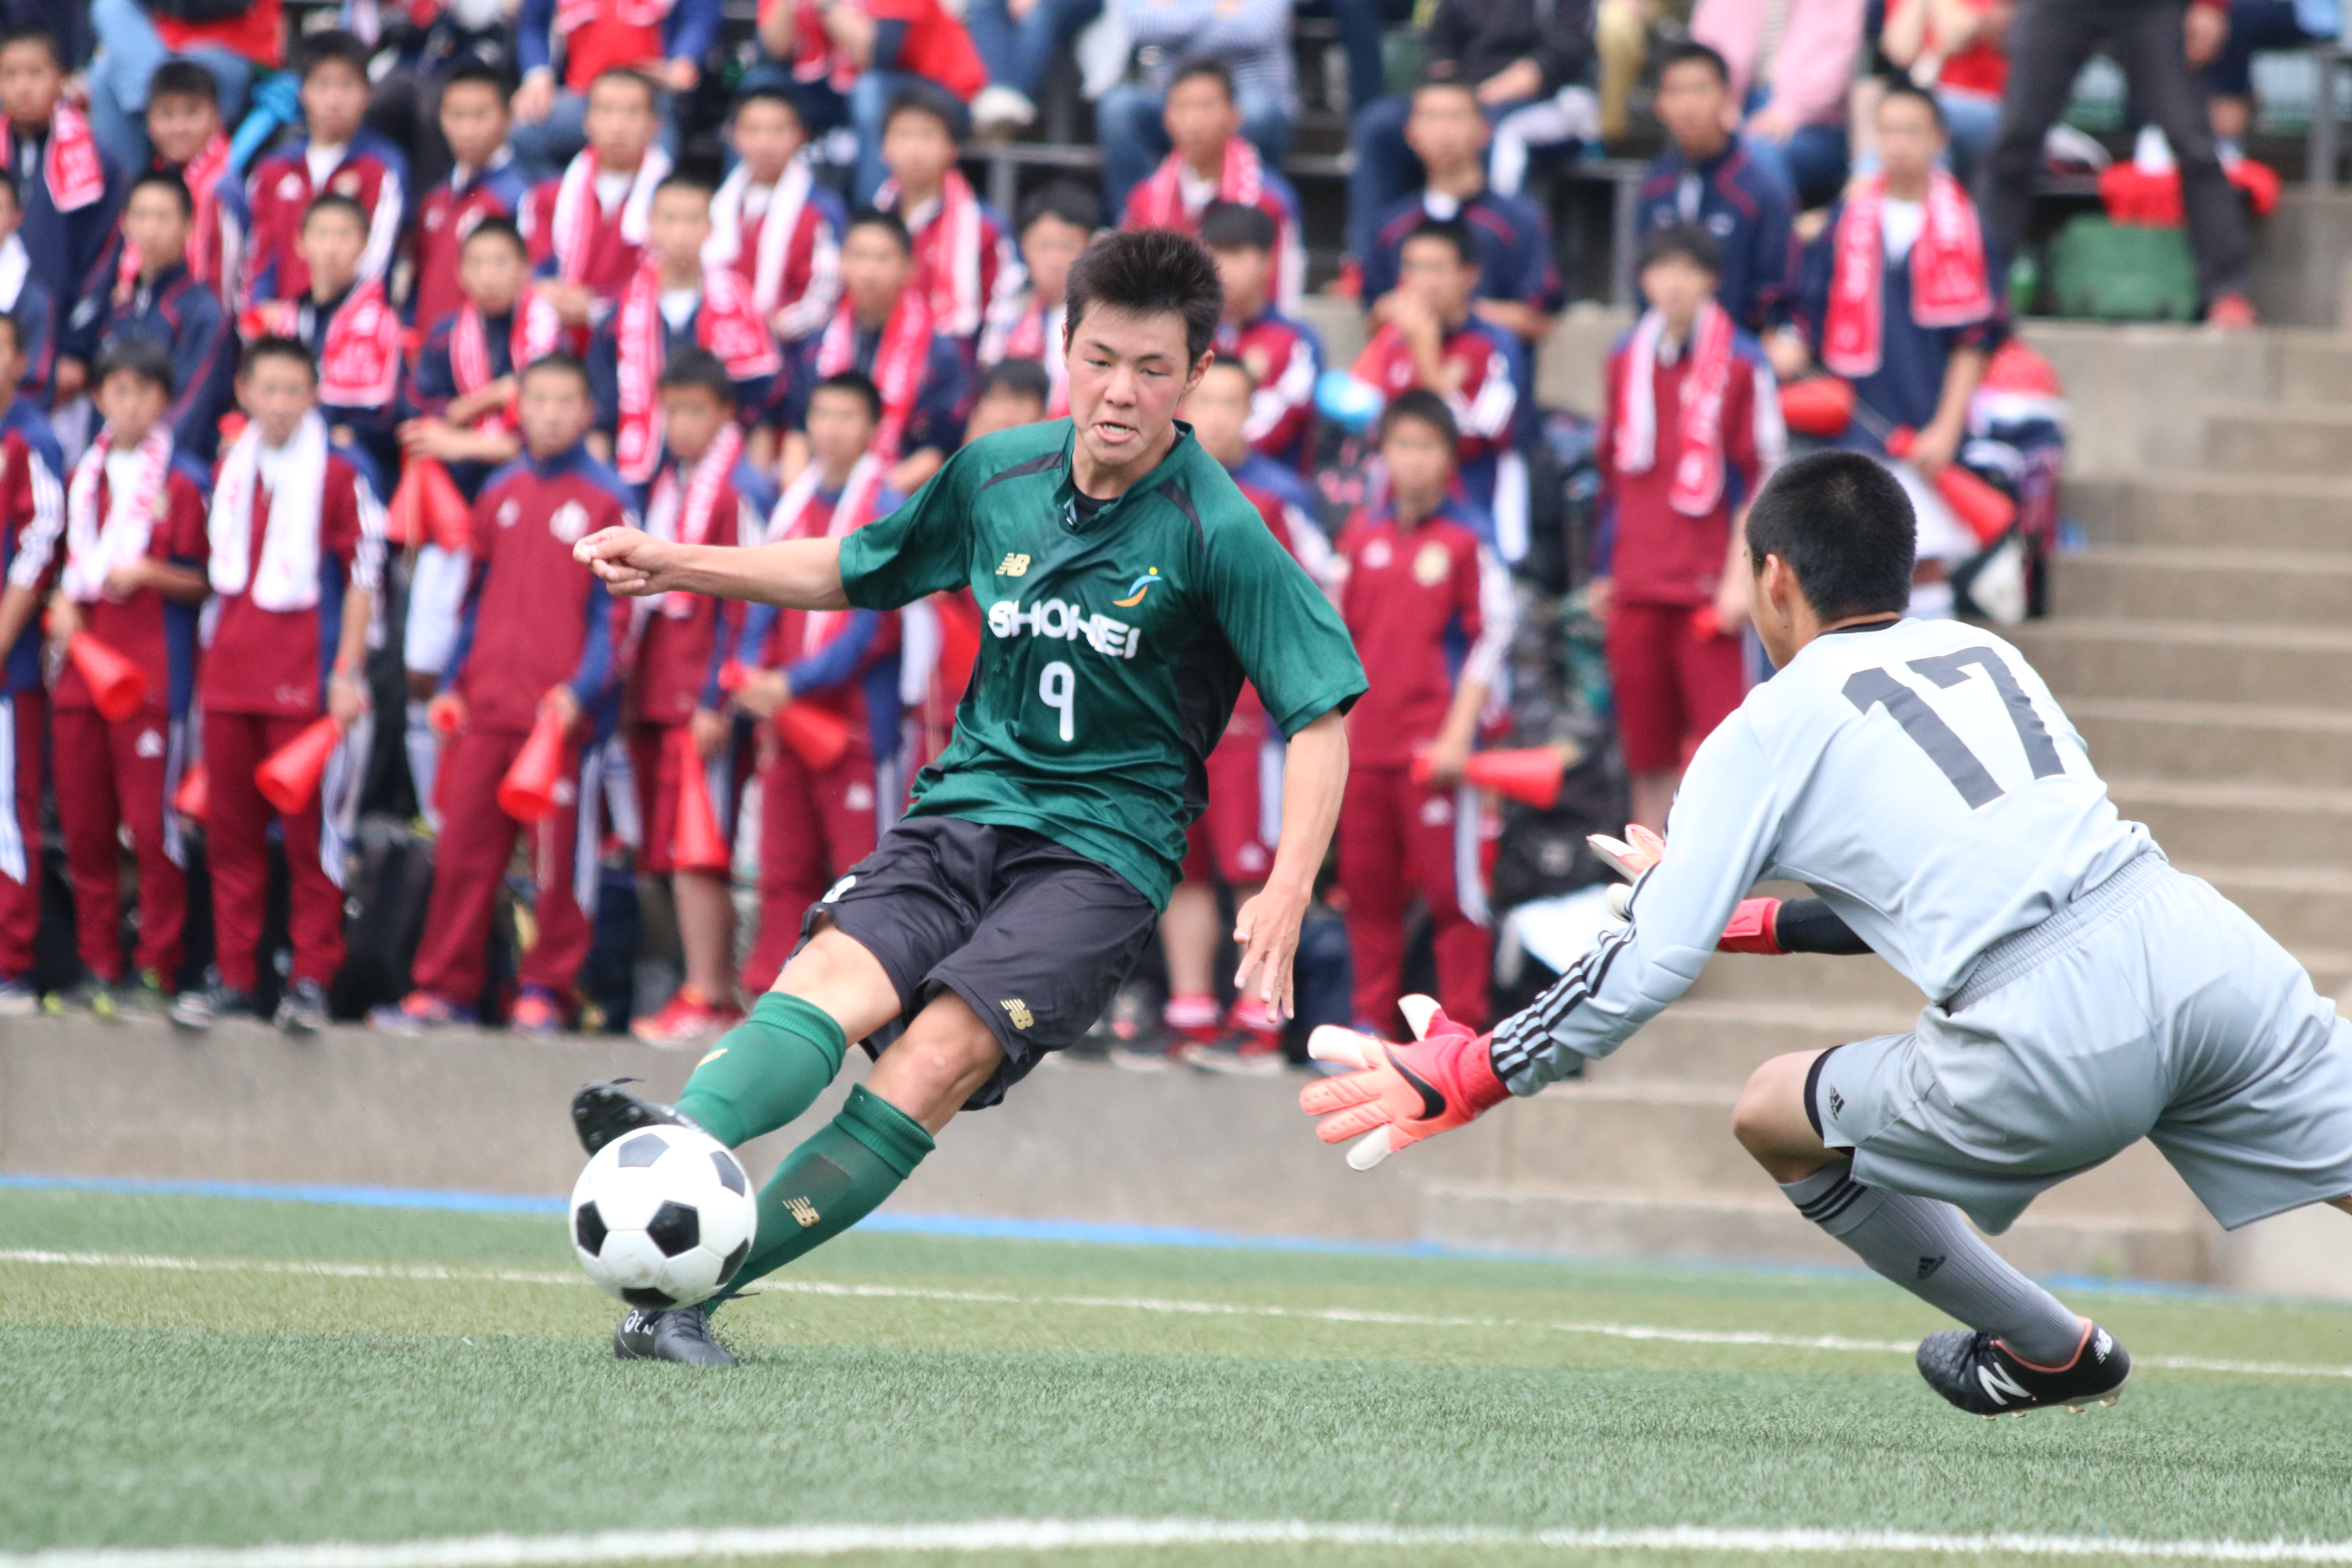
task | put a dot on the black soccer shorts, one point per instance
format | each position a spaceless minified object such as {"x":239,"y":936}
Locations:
{"x":1034,"y":937}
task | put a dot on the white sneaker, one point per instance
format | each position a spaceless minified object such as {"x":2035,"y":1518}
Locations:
{"x":1000,"y":110}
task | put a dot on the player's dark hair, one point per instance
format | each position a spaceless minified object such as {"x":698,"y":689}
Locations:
{"x":155,"y":179}
{"x":920,"y":97}
{"x":332,"y":46}
{"x":1447,"y":84}
{"x":1148,"y":272}
{"x":33,"y":33}
{"x":1692,"y":53}
{"x":479,"y":72}
{"x":1067,"y":200}
{"x":1422,"y":405}
{"x":699,"y":367}
{"x":766,"y":92}
{"x":182,"y":78}
{"x":890,"y":223}
{"x":336,"y":202}
{"x":1901,"y":87}
{"x":560,"y":363}
{"x":503,"y":228}
{"x":1842,"y":523}
{"x":145,"y":358}
{"x":687,"y":177}
{"x":277,"y":347}
{"x":1690,"y":242}
{"x":1017,"y":378}
{"x":1236,"y":225}
{"x":1451,"y":231}
{"x":631,"y":75}
{"x":1203,"y":67}
{"x":857,"y":383}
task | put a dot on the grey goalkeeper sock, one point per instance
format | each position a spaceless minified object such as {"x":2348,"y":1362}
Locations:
{"x":1928,"y":1249}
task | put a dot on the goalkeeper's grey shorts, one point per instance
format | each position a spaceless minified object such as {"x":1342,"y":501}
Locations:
{"x":2150,"y":1007}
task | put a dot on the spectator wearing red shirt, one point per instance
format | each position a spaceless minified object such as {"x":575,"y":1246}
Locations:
{"x":352,"y":330}
{"x":587,"y":227}
{"x":69,"y":193}
{"x":1056,"y":224}
{"x":337,"y":156}
{"x":666,"y":40}
{"x":964,"y":256}
{"x":32,"y":521}
{"x":1212,"y":157}
{"x":536,"y":635}
{"x":1281,"y":353}
{"x":191,"y":146}
{"x":706,"y":493}
{"x":847,"y":59}
{"x":485,"y":181}
{"x":135,"y":548}
{"x":1429,"y":608}
{"x":774,"y":222}
{"x":1690,"y":430}
{"x":136,"y":39}
{"x":296,"y":564}
{"x":1953,"y":48}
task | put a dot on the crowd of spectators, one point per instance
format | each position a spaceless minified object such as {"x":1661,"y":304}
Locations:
{"x":579,"y":261}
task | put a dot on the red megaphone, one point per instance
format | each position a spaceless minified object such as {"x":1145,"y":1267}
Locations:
{"x":528,"y":792}
{"x":1530,"y":773}
{"x":697,"y":844}
{"x":117,"y":686}
{"x":1982,"y":508}
{"x":194,"y":798}
{"x":818,"y":734}
{"x":288,"y":777}
{"x":1819,"y":405}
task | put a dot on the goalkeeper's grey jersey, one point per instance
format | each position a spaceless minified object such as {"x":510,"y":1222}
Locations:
{"x":1917,"y":774}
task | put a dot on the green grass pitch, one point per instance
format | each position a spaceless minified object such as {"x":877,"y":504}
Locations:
{"x":193,"y":1373}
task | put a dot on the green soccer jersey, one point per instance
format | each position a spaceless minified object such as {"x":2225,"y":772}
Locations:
{"x":1112,"y":646}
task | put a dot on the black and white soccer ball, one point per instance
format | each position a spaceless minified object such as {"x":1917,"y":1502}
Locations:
{"x":662,"y":1217}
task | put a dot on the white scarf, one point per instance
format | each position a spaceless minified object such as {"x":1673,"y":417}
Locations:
{"x":686,"y":513}
{"x":287,"y":578}
{"x":14,"y":264}
{"x":776,"y":227}
{"x":94,"y":549}
{"x":851,"y":511}
{"x":573,"y":228}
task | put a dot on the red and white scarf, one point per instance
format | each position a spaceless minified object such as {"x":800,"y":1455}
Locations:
{"x":578,"y":212}
{"x":533,"y":331}
{"x":724,"y":322}
{"x":947,"y":247}
{"x":786,"y":200}
{"x":69,"y":163}
{"x":1949,"y":283}
{"x":359,"y":362}
{"x":686,"y":512}
{"x":900,"y":361}
{"x":816,"y":56}
{"x":206,"y":261}
{"x":285,"y":578}
{"x":1158,"y":202}
{"x":852,"y":510}
{"x":1697,"y":486}
{"x":1037,"y":335}
{"x":95,"y":546}
{"x":571,"y":15}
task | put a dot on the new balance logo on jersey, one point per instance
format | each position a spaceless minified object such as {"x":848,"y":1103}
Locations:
{"x":1059,"y":618}
{"x":1013,"y":566}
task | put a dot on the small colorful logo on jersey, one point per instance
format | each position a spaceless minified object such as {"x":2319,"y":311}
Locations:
{"x":1012,"y":565}
{"x":1018,"y":1011}
{"x":1135,"y":589}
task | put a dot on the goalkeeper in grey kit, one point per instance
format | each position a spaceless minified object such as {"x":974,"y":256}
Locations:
{"x":1921,"y":779}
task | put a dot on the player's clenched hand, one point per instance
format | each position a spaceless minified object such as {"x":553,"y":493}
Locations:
{"x":1404,"y":1093}
{"x":1267,"y":927}
{"x":631,"y":561}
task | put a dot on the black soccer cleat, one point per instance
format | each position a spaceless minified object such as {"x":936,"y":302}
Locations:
{"x":604,"y":1112}
{"x":1984,"y":1377}
{"x":682,"y":1335}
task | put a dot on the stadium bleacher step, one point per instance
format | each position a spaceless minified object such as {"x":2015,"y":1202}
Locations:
{"x":1720,"y":1043}
{"x":1806,"y":979}
{"x":2304,"y":907}
{"x":2152,"y":738}
{"x":2279,"y":438}
{"x":2240,"y":824}
{"x":2194,"y":508}
{"x":2202,"y":661}
{"x":2278,"y":587}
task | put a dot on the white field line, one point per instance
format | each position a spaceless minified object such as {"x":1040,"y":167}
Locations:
{"x":1174,"y":1307}
{"x":1079,"y":1535}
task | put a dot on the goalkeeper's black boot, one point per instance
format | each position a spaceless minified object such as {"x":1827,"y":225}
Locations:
{"x":682,"y":1335}
{"x":604,"y":1112}
{"x":1984,"y":1377}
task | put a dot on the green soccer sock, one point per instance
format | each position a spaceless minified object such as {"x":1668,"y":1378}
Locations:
{"x":832,"y":1181}
{"x":765,"y":1070}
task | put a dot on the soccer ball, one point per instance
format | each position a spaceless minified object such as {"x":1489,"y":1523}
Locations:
{"x":662,"y":1217}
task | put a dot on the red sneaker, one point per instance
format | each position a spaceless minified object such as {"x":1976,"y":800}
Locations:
{"x":537,"y":1012}
{"x":2231,"y":313}
{"x":689,"y":1020}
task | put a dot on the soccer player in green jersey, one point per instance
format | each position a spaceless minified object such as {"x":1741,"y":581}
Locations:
{"x":1127,"y":589}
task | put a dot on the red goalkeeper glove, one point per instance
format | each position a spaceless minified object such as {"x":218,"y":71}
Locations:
{"x":1444,"y":1080}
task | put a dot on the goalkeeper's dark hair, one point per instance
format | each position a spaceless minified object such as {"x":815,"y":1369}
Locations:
{"x":698,"y":367}
{"x":1148,"y":272}
{"x":1844,"y":525}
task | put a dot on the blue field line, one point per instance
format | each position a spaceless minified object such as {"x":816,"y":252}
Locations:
{"x":986,"y":1227}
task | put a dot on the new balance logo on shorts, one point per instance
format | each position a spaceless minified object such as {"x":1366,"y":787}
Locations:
{"x":1018,"y":1011}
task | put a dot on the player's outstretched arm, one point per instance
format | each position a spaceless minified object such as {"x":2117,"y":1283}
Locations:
{"x":799,"y":573}
{"x":1403,"y":1094}
{"x":1760,"y":925}
{"x":1314,"y":778}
